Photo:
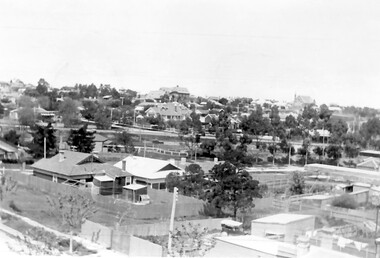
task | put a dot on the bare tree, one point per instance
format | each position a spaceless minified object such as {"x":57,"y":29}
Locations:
{"x":73,"y":210}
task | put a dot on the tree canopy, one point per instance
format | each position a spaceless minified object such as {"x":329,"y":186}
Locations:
{"x":82,"y":140}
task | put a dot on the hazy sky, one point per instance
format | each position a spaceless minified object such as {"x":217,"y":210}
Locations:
{"x":328,"y":49}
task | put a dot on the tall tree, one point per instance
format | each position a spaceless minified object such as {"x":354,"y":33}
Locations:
{"x":42,"y":87}
{"x":82,"y":140}
{"x":68,"y":109}
{"x":324,"y":115}
{"x":232,"y":188}
{"x":278,"y":130}
{"x":73,"y":210}
{"x":102,"y":117}
{"x":39,"y":134}
{"x":125,"y":139}
{"x":297,"y":184}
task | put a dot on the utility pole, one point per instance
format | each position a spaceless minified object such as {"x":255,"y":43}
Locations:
{"x":44,"y":147}
{"x":171,"y":226}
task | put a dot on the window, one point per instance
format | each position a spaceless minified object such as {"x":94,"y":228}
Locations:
{"x":55,"y":179}
{"x":128,"y":180}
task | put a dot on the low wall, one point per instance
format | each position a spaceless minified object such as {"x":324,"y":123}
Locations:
{"x":350,"y":214}
{"x":119,"y":241}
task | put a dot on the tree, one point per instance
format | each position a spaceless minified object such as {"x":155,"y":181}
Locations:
{"x":319,"y":151}
{"x":297,"y":184}
{"x":39,"y":134}
{"x":334,"y":151}
{"x":231,"y":188}
{"x":370,"y":131}
{"x":190,"y":143}
{"x":351,"y":145}
{"x":223,"y":101}
{"x":191,"y":241}
{"x":124,"y":138}
{"x":277,"y":128}
{"x":26,"y":116}
{"x":42,"y":87}
{"x":90,"y":108}
{"x":68,"y":109}
{"x":73,"y":210}
{"x":193,"y":181}
{"x":12,"y":137}
{"x":102,"y":117}
{"x":82,"y":140}
{"x":172,"y":180}
{"x":324,"y":115}
{"x":257,"y":126}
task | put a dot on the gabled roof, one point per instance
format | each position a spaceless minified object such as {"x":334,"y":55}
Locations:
{"x":6,"y":147}
{"x":148,"y":168}
{"x":155,"y":94}
{"x":169,"y":109}
{"x":99,"y":138}
{"x":305,"y":99}
{"x":77,"y":163}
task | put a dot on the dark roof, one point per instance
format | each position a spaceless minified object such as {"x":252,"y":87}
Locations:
{"x":76,"y":164}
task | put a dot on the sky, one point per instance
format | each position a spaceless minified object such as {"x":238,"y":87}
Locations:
{"x":327,"y":49}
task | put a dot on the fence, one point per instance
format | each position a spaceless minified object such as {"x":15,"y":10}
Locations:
{"x":120,"y":241}
{"x":162,"y":228}
{"x":162,"y":151}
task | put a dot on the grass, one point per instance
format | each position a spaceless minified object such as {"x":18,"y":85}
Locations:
{"x":50,"y":240}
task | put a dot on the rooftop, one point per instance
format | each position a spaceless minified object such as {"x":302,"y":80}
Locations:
{"x":283,"y":218}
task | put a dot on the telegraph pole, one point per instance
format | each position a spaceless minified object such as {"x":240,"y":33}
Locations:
{"x":171,"y":226}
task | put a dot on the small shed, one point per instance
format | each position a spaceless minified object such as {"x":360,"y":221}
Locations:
{"x":133,"y":192}
{"x":285,"y":227}
{"x":104,"y":183}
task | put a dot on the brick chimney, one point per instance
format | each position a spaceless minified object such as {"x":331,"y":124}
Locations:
{"x":61,"y":155}
{"x":124,"y":165}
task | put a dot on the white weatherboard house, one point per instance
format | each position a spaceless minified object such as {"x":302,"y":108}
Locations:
{"x":147,"y":171}
{"x":283,"y":226}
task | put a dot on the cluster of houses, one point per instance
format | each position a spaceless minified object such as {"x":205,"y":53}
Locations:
{"x":129,"y":177}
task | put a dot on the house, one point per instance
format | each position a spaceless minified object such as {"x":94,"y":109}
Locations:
{"x":38,"y":112}
{"x":8,"y":151}
{"x":80,"y":168}
{"x":147,"y":171}
{"x":169,"y":111}
{"x":300,"y":102}
{"x":284,"y":227}
{"x":176,"y":93}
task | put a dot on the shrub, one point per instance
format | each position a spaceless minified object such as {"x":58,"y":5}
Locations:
{"x":13,"y":206}
{"x":345,"y":201}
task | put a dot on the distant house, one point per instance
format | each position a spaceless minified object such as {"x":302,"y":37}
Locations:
{"x":38,"y":113}
{"x":8,"y":151}
{"x":99,"y":141}
{"x":147,"y":171}
{"x":79,"y":168}
{"x":169,"y":111}
{"x":177,"y":93}
{"x":302,"y":101}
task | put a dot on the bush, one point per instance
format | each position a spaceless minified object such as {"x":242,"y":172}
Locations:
{"x":13,"y":206}
{"x":345,"y":201}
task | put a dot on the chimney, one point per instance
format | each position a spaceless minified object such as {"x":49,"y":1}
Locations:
{"x":61,"y":155}
{"x":124,"y":165}
{"x":303,"y":246}
{"x":215,"y":160}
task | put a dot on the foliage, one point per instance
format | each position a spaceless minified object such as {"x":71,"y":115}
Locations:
{"x":90,"y":108}
{"x":82,"y":140}
{"x":26,"y":116}
{"x":72,"y":209}
{"x":68,"y":109}
{"x":172,"y":180}
{"x":39,"y":134}
{"x":191,"y":241}
{"x":12,"y":137}
{"x":334,"y":151}
{"x":345,"y":201}
{"x":231,"y":188}
{"x":297,"y":184}
{"x":124,"y":138}
{"x":190,"y":143}
{"x":102,"y":117}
